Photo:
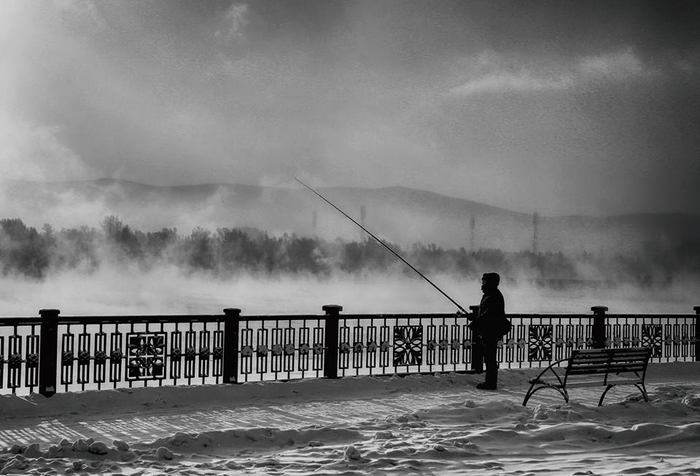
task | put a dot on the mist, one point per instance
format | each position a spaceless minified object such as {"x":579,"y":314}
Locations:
{"x":167,"y":291}
{"x":120,"y":269}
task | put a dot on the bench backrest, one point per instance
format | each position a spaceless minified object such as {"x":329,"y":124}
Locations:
{"x":609,"y":361}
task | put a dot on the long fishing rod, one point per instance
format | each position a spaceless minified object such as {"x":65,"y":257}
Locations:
{"x":384,"y":245}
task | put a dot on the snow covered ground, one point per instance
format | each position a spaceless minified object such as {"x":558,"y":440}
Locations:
{"x":413,"y":425}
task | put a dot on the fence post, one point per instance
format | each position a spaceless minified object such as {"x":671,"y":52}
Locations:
{"x":477,"y":351}
{"x":697,"y":333}
{"x":598,"y":332}
{"x":48,"y":350}
{"x":330,"y":360}
{"x":231,"y":331}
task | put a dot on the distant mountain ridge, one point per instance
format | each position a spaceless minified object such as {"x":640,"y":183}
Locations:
{"x":398,"y":214}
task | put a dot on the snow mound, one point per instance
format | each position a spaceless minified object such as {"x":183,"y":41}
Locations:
{"x":231,"y":441}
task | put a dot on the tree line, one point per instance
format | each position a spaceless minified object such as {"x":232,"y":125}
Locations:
{"x":226,"y":252}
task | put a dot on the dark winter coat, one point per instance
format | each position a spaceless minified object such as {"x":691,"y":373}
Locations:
{"x":491,"y":322}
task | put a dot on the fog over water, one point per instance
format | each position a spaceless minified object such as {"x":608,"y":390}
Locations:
{"x":167,"y":291}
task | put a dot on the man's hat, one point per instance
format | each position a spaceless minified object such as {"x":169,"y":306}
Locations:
{"x":491,"y":277}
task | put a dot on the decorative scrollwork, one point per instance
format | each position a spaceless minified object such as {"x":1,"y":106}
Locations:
{"x":357,"y":347}
{"x":652,"y":337}
{"x":304,"y":349}
{"x":247,"y":351}
{"x":262,"y":350}
{"x":83,"y":357}
{"x":146,"y":354}
{"x":372,"y":346}
{"x":100,"y":357}
{"x":432,"y":344}
{"x":204,"y":353}
{"x":116,"y":355}
{"x":190,"y":354}
{"x":289,"y":349}
{"x":408,"y":342}
{"x":540,"y":342}
{"x":218,"y":353}
{"x":318,"y":349}
{"x":384,"y":346}
{"x":454,"y":344}
{"x":466,"y":344}
{"x":175,"y":353}
{"x":33,"y":360}
{"x":344,"y":348}
{"x":67,"y":358}
{"x":277,"y":350}
{"x":15,"y":361}
{"x":443,"y":344}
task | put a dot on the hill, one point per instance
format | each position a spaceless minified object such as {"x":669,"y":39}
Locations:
{"x":398,"y":214}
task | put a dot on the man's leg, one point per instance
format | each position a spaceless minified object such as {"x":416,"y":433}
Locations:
{"x":478,"y":355}
{"x":490,"y":352}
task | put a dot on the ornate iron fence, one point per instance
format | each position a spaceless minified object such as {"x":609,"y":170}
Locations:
{"x":51,"y":353}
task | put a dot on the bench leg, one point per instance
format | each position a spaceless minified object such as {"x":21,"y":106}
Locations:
{"x":642,"y":389}
{"x":602,"y":397}
{"x":531,"y":392}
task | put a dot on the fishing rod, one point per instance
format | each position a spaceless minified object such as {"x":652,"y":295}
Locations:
{"x":384,"y":245}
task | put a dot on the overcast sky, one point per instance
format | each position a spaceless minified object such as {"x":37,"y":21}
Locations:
{"x":562,"y":107}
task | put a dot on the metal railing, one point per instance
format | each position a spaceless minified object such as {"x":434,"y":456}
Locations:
{"x":51,"y":353}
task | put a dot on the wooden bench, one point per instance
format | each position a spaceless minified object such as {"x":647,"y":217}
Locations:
{"x":595,"y":367}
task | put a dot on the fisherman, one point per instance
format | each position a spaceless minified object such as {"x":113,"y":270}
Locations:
{"x":489,"y":325}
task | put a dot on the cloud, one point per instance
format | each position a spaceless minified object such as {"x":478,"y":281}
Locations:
{"x":236,"y":18}
{"x":612,"y":66}
{"x":81,"y":12}
{"x":512,"y":82}
{"x":491,"y":73}
{"x":35,"y":152}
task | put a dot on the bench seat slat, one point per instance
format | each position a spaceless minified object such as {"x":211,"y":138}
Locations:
{"x":613,"y":365}
{"x":608,"y":357}
{"x":580,"y":383}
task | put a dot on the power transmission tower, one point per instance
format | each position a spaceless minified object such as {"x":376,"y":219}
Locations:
{"x":472,"y":227}
{"x":535,"y":232}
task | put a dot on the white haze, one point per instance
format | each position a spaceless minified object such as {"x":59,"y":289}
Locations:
{"x":113,"y":291}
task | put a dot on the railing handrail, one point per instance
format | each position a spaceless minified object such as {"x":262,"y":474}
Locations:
{"x":81,"y":319}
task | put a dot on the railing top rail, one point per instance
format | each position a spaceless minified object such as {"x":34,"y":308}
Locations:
{"x":17,"y":321}
{"x":140,"y":319}
{"x":13,"y":321}
{"x":652,"y":314}
{"x":399,"y":315}
{"x":529,"y":315}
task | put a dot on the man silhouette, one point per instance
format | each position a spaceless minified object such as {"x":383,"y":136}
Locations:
{"x":489,"y":326}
